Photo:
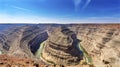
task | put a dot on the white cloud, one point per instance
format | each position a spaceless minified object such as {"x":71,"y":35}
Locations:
{"x":86,"y":4}
{"x":4,"y":18}
{"x":78,"y":3}
{"x":19,"y":8}
{"x":35,"y":19}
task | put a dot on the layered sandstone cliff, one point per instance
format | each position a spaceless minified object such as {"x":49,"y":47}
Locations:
{"x":22,"y":41}
{"x":61,"y":48}
{"x":102,"y":42}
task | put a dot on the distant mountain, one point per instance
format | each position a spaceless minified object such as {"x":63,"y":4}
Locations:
{"x":6,"y":26}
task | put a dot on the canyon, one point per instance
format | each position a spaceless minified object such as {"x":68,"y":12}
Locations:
{"x":100,"y":41}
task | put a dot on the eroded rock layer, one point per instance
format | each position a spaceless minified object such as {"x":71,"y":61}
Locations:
{"x":102,"y":42}
{"x":61,"y":48}
{"x":22,"y":41}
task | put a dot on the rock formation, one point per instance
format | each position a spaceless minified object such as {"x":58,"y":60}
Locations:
{"x":10,"y":61}
{"x":22,"y":41}
{"x":101,"y":41}
{"x":61,"y":48}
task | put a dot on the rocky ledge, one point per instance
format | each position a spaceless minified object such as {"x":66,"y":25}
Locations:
{"x":12,"y":61}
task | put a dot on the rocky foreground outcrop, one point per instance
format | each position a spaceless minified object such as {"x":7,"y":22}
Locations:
{"x":12,"y":61}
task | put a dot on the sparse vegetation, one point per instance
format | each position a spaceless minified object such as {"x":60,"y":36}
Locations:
{"x":39,"y":54}
{"x":87,"y":57}
{"x":0,"y":52}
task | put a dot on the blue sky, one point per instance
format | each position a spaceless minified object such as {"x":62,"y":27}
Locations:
{"x":59,"y":11}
